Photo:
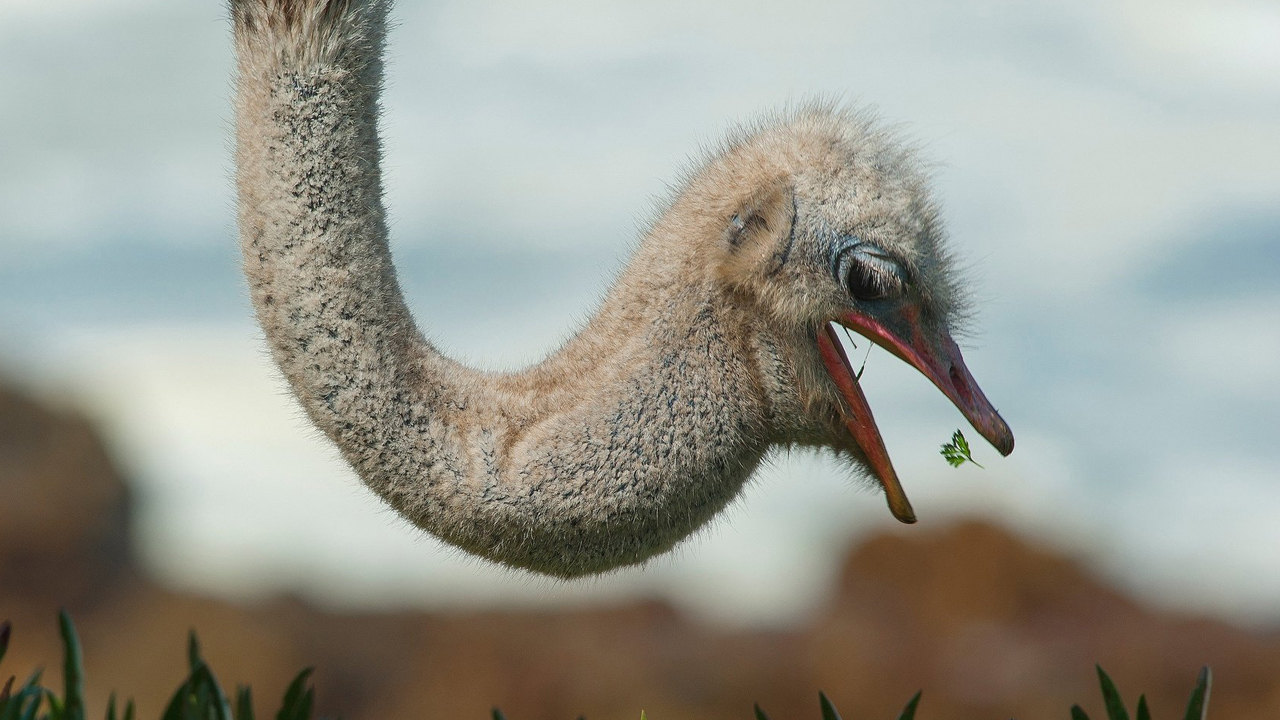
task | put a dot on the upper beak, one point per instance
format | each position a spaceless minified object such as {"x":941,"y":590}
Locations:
{"x":930,"y":350}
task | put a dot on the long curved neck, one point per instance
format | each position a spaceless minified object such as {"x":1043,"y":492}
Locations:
{"x":631,"y":436}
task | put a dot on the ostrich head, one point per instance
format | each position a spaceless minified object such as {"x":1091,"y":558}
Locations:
{"x":829,"y":223}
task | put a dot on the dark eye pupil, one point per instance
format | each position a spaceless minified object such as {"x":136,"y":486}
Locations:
{"x":865,"y":283}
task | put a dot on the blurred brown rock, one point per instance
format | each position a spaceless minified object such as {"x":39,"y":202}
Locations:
{"x":64,"y":511}
{"x":988,"y":625}
{"x":993,"y":627}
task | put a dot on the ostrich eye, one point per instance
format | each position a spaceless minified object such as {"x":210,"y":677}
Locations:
{"x":869,"y":274}
{"x":866,"y":282}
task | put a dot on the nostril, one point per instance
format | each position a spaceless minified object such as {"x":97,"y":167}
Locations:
{"x":962,"y":387}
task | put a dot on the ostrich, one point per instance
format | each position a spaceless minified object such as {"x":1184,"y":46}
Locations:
{"x":716,"y":343}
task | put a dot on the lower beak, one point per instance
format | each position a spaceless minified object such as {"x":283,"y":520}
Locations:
{"x":938,"y":358}
{"x":862,"y":425}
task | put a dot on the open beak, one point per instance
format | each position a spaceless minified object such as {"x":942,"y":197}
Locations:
{"x":901,"y":332}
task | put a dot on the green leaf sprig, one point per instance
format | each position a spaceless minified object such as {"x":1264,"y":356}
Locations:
{"x":957,"y":451}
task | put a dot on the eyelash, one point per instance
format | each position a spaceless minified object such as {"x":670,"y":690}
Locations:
{"x":867,"y":277}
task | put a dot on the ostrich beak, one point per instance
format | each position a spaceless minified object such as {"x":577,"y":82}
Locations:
{"x":901,"y":332}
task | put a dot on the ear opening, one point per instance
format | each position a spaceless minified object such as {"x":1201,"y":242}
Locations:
{"x":758,"y":237}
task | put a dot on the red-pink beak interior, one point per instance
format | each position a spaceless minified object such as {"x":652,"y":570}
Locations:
{"x":935,"y":355}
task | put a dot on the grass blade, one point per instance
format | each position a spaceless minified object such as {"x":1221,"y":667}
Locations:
{"x":308,"y":700}
{"x":111,"y":707}
{"x":213,"y":692}
{"x":56,"y":709}
{"x":33,"y":682}
{"x":828,"y":710}
{"x":201,"y":700}
{"x":128,"y":710}
{"x":4,"y":692}
{"x":244,"y":703}
{"x":1198,"y":706}
{"x":176,"y":709}
{"x":497,"y":715}
{"x":72,"y":670}
{"x":13,"y":707}
{"x":760,"y":715}
{"x":296,"y":698}
{"x":909,"y":712}
{"x":222,"y":705}
{"x":6,"y":629}
{"x":9,"y":707}
{"x":1077,"y":713}
{"x":30,"y":692}
{"x":193,"y":652}
{"x":1111,"y":697}
{"x":1143,"y":712}
{"x":33,"y":708}
{"x":28,"y":700}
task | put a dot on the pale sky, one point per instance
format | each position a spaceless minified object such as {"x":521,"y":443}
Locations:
{"x":1109,"y":171}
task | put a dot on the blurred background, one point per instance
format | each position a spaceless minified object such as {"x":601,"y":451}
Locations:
{"x":1109,"y":172}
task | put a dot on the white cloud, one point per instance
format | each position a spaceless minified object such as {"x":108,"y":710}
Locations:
{"x":1225,"y":348}
{"x":113,"y":125}
{"x":1215,"y":44}
{"x":15,"y":13}
{"x":1210,"y":543}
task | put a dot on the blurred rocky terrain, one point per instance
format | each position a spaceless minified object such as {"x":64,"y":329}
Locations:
{"x":989,"y":626}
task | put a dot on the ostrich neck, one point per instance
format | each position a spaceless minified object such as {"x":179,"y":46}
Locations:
{"x":613,"y":449}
